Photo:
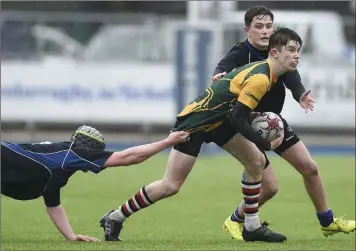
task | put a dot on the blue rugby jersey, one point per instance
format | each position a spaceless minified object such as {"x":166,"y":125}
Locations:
{"x":56,"y":159}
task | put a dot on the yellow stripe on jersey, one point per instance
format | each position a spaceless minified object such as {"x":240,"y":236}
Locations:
{"x":206,"y":128}
{"x":198,"y":106}
{"x":211,"y":94}
{"x":239,"y":81}
{"x":254,"y":88}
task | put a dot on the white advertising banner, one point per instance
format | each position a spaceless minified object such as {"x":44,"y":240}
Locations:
{"x":111,"y":93}
{"x":70,"y":92}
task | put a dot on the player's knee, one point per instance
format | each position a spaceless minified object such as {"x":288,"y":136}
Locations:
{"x":171,"y":188}
{"x":271,"y":190}
{"x":308,"y":168}
{"x":258,"y":163}
{"x":312,"y":168}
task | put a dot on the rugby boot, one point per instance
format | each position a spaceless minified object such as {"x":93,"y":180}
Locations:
{"x":112,"y":228}
{"x":263,"y":234}
{"x":235,"y":228}
{"x":339,"y":226}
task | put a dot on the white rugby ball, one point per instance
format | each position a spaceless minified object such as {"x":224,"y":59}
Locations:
{"x":268,"y":125}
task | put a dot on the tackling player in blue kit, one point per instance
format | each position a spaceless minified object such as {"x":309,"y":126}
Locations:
{"x":29,"y":171}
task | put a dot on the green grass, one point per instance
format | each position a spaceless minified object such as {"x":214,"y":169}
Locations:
{"x":191,"y":220}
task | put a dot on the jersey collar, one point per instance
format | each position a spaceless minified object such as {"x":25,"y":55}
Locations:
{"x":257,"y":55}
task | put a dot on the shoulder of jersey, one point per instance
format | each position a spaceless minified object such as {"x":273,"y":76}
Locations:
{"x":249,"y":74}
{"x":239,"y":47}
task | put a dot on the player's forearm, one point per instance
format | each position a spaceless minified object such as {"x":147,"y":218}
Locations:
{"x":60,"y":220}
{"x":244,"y":128}
{"x":138,"y":154}
{"x":225,"y":65}
{"x":239,"y":121}
{"x":293,"y":82}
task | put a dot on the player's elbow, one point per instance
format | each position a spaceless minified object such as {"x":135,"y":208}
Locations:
{"x":239,"y":116}
{"x":236,"y":120}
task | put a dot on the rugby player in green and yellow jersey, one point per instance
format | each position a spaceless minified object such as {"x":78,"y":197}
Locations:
{"x":226,"y":105}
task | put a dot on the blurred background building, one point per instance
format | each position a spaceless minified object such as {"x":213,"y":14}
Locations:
{"x":128,"y":67}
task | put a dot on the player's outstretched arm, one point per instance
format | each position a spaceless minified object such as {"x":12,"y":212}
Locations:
{"x":138,"y":154}
{"x":60,"y":220}
{"x":293,"y":82}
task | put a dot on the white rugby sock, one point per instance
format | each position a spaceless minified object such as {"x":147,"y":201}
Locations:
{"x":117,"y":215}
{"x":252,"y":222}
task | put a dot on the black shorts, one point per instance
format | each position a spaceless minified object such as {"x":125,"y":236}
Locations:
{"x":224,"y":133}
{"x":21,"y":177}
{"x":220,"y":136}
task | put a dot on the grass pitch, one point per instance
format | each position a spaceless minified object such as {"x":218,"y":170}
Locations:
{"x":191,"y":220}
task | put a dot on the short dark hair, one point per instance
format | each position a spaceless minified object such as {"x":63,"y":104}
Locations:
{"x":281,"y":37}
{"x":255,"y":11}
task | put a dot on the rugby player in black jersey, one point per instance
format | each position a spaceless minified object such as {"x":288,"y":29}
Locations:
{"x":259,"y":27}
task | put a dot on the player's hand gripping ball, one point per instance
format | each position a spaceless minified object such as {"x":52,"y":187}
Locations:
{"x":268,"y":124}
{"x":87,"y":136}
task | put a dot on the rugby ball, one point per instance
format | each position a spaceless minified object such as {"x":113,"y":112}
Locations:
{"x":268,"y":125}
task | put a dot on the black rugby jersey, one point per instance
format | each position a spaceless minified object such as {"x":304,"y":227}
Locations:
{"x":244,"y":53}
{"x":45,"y":168}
